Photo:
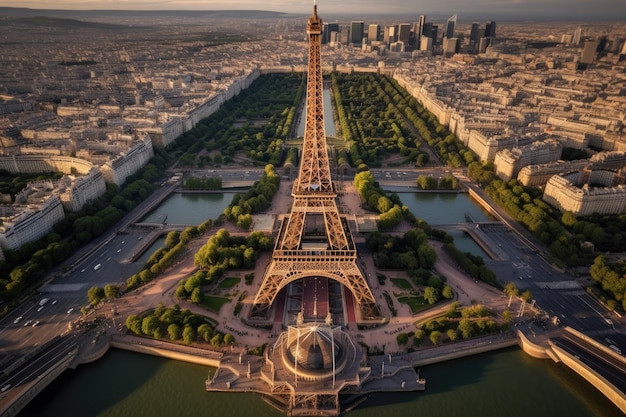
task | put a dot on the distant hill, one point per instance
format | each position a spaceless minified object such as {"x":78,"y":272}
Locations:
{"x":60,"y":22}
{"x":17,"y":12}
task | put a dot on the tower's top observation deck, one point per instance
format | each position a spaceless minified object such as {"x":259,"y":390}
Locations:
{"x":314,"y":25}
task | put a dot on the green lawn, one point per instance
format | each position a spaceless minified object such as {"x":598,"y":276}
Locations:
{"x":229,"y":282}
{"x":401,"y":283}
{"x":214,"y":303}
{"x":416,"y":303}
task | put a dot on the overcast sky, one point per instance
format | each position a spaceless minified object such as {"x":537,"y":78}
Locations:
{"x":583,"y":9}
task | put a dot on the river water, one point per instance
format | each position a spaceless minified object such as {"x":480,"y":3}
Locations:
{"x":329,"y":125}
{"x":506,"y":383}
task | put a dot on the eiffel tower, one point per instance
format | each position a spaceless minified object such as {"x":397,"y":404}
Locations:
{"x":314,"y":241}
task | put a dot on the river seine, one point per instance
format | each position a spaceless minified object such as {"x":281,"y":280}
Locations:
{"x":506,"y":383}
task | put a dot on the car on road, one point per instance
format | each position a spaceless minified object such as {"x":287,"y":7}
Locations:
{"x":27,"y":323}
{"x":40,"y":308}
{"x":35,"y":323}
{"x":70,"y":310}
{"x":6,"y":387}
{"x":17,"y":320}
{"x":54,"y":302}
{"x":82,"y":270}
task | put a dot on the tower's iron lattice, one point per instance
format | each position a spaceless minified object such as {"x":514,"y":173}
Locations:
{"x":314,"y":240}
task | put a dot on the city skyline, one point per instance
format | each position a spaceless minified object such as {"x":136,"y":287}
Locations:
{"x":580,"y":9}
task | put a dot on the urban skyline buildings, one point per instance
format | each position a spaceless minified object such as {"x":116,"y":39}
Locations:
{"x":99,"y":113}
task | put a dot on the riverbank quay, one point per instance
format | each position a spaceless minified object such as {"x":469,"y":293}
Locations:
{"x":540,"y":346}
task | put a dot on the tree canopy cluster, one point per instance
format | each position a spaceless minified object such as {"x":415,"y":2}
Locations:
{"x":427,"y":182}
{"x":458,"y":322}
{"x":176,"y":324}
{"x":255,"y":123}
{"x":162,"y":258}
{"x":374,"y":198}
{"x":472,"y":264}
{"x":409,"y":252}
{"x":612,"y":279}
{"x":371,"y":123}
{"x":221,"y":252}
{"x":257,"y":198}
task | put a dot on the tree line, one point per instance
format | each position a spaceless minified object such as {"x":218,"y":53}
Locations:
{"x":256,"y":199}
{"x":175,"y":324}
{"x":254,"y":123}
{"x":221,"y":252}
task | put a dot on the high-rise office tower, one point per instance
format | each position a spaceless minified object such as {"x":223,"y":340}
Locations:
{"x":475,"y":36}
{"x":490,"y":30}
{"x":418,"y":31}
{"x":356,"y":32}
{"x":450,"y":27}
{"x":427,"y":31}
{"x":391,"y":34}
{"x":329,"y":28}
{"x":373,"y":32}
{"x":588,"y":54}
{"x":434,"y":33}
{"x":404,"y":33}
{"x":450,"y":46}
{"x":578,"y":33}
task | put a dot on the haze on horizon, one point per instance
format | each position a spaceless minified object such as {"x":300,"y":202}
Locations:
{"x":578,"y":9}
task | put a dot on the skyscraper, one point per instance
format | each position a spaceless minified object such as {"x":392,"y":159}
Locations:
{"x":474,"y":36}
{"x":404,"y":33}
{"x":578,"y":33}
{"x":356,"y":32}
{"x":391,"y":34}
{"x":420,"y":28}
{"x":329,"y":28}
{"x":588,"y":54}
{"x":373,"y":32}
{"x":490,"y":30}
{"x":450,"y":27}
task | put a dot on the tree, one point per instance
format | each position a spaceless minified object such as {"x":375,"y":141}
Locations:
{"x":133,"y":323}
{"x":431,"y":295}
{"x":466,"y":328}
{"x":216,"y":340}
{"x":95,"y":295}
{"x":402,"y":339}
{"x":435,"y":337}
{"x":111,"y":291}
{"x":568,"y":219}
{"x":196,"y":295}
{"x":229,"y":339}
{"x":172,"y":239}
{"x":511,"y":290}
{"x":452,"y":334}
{"x":173,"y":330}
{"x":447,"y":292}
{"x":507,"y":315}
{"x":205,"y":331}
{"x":189,"y":335}
{"x":418,"y":337}
{"x":149,"y":324}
